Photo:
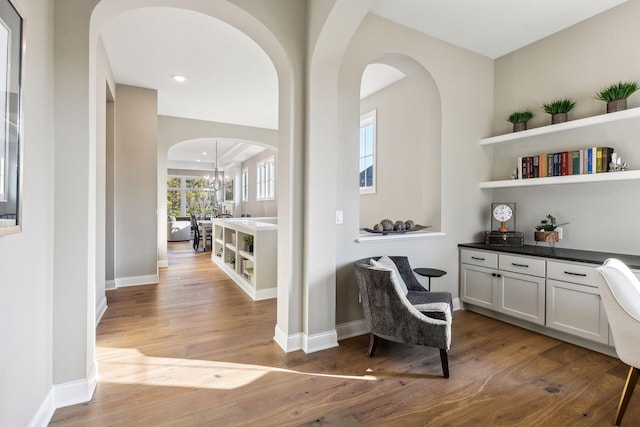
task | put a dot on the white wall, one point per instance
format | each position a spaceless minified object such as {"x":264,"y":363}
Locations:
{"x":26,"y":259}
{"x":136,"y":178}
{"x":254,"y":207}
{"x":573,"y":63}
{"x":465,"y":83}
{"x":408,"y":153}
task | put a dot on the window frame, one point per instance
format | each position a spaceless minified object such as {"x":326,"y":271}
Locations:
{"x":245,"y":185}
{"x":368,"y":119}
{"x":266,"y":179}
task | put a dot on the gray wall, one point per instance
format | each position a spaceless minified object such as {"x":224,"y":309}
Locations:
{"x":574,"y":63}
{"x":464,"y":83}
{"x":136,"y":179}
{"x":254,"y":207}
{"x":26,"y":258}
{"x":408,"y":153}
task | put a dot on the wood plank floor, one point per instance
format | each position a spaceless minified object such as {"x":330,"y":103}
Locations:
{"x":194,"y":350}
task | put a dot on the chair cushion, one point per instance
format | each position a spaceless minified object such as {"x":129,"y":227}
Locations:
{"x":387,"y":263}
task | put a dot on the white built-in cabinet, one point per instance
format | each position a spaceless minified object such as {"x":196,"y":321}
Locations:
{"x":512,"y":285}
{"x":253,"y":269}
{"x":556,"y":296}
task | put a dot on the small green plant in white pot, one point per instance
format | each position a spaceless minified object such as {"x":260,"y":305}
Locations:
{"x":248,"y":242}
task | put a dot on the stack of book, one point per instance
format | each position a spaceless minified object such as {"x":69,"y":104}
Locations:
{"x":576,"y":162}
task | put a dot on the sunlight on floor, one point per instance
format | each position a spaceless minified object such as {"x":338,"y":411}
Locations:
{"x":129,"y":366}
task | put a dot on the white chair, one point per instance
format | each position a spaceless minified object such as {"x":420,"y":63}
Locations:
{"x":620,"y":293}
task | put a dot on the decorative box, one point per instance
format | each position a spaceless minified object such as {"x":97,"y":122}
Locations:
{"x":509,"y":238}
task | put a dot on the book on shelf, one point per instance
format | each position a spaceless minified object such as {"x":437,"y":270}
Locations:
{"x":574,"y":162}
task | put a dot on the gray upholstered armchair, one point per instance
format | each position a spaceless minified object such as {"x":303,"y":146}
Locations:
{"x":417,"y":317}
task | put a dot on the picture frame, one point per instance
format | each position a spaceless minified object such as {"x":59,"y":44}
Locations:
{"x":12,"y":49}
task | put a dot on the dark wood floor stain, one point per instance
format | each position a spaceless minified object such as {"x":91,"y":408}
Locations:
{"x":194,"y":350}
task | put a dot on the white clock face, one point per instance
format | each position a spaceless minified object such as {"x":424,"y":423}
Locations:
{"x":502,"y":213}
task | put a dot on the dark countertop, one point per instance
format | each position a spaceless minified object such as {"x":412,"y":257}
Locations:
{"x":543,"y":250}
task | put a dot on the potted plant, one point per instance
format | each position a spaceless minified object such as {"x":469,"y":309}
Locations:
{"x":520,"y":119}
{"x":616,"y":95}
{"x":248,"y":242}
{"x":546,"y":230}
{"x":559,"y":109}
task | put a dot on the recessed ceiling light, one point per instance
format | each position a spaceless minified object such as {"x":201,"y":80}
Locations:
{"x":204,"y":153}
{"x":198,"y":160}
{"x":179,"y":78}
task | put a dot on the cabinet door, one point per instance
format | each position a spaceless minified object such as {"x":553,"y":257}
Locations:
{"x":576,"y":309}
{"x":479,"y":286}
{"x":521,"y":296}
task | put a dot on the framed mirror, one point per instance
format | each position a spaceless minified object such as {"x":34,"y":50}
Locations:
{"x":11,"y":62}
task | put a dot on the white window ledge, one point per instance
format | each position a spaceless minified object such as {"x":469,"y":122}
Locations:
{"x":369,"y":238}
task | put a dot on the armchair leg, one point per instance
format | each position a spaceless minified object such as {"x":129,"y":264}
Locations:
{"x":373,"y":343}
{"x":444,"y":359}
{"x":632,"y":379}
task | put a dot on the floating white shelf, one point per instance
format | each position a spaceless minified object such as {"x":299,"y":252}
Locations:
{"x":246,"y":255}
{"x":368,"y":238}
{"x":569,"y":179}
{"x":633,"y":113}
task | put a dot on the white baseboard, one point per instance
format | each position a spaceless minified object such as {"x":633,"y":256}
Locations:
{"x":110,"y":285}
{"x":352,"y":329}
{"x":148,"y":279}
{"x":101,"y":308}
{"x":43,"y":415}
{"x":359,"y":327}
{"x":163,"y":263}
{"x":74,"y":392}
{"x":262,"y":294}
{"x":288,"y":343}
{"x":318,"y":342}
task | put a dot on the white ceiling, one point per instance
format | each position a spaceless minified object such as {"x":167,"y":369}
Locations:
{"x":230,"y":79}
{"x":491,"y":28}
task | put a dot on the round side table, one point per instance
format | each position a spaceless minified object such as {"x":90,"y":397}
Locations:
{"x":429,"y":272}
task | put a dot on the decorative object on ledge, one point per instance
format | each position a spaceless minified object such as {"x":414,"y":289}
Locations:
{"x":559,"y":109}
{"x":616,"y":95}
{"x":520,"y":119}
{"x":546,"y":230}
{"x":416,"y":227}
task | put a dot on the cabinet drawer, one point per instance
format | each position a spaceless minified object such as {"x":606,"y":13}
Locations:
{"x":524,"y":265}
{"x":480,"y":258}
{"x":573,"y":273}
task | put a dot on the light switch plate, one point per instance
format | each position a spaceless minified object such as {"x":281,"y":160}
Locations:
{"x":339,"y":217}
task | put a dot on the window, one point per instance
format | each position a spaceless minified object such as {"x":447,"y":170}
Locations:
{"x":266,"y":179}
{"x":368,"y":153}
{"x":189,"y":195}
{"x":245,"y":185}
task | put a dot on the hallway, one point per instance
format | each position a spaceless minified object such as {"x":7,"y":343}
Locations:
{"x":194,"y":350}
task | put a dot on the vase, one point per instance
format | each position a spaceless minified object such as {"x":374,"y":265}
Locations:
{"x":559,"y":118}
{"x":616,"y":105}
{"x":517,"y":127}
{"x":546,"y":236}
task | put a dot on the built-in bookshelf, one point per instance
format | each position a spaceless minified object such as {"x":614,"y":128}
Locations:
{"x":620,"y":130}
{"x":255,"y":272}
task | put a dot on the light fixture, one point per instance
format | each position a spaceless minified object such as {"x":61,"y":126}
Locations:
{"x":178,"y":78}
{"x":216,"y":175}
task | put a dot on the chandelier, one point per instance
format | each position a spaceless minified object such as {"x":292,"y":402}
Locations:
{"x":217,"y":182}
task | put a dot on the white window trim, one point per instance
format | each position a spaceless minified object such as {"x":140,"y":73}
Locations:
{"x":266,"y":179}
{"x":245,"y":185}
{"x":367,"y":119}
